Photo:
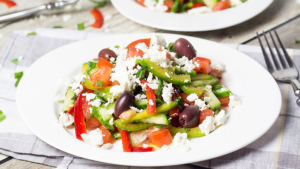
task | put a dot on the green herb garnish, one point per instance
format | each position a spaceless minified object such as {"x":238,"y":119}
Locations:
{"x":297,"y":41}
{"x":30,"y":34}
{"x":74,"y":97}
{"x":18,"y":76}
{"x":186,"y":130}
{"x":179,"y":103}
{"x":92,"y":65}
{"x":80,"y":26}
{"x":2,"y":116}
{"x":15,"y":61}
{"x":57,"y":27}
{"x":141,"y":73}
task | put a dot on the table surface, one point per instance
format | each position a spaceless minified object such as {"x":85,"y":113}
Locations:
{"x":282,"y":15}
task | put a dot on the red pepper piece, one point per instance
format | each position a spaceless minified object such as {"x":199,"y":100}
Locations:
{"x":98,"y":18}
{"x":150,"y":96}
{"x":8,"y":3}
{"x":125,"y":141}
{"x":79,"y":122}
{"x":142,"y":149}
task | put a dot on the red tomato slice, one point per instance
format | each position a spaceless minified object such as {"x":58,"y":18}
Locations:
{"x":92,"y":123}
{"x":184,"y":98}
{"x":103,"y":62}
{"x":169,"y":4}
{"x":102,"y":75}
{"x":204,"y":114}
{"x":221,"y":5}
{"x":160,"y":137}
{"x":197,"y":5}
{"x":141,"y":2}
{"x":98,"y":18}
{"x":86,"y":109}
{"x":134,"y":43}
{"x":174,"y":112}
{"x":107,"y":138}
{"x":202,"y":65}
{"x":224,"y":101}
{"x":134,"y":52}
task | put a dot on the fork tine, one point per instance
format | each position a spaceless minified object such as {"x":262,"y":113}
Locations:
{"x":267,"y":60}
{"x":272,"y":54}
{"x":283,"y":63}
{"x":288,"y":59}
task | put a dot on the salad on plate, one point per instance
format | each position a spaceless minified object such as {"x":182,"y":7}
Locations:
{"x":189,"y":6}
{"x":149,"y":94}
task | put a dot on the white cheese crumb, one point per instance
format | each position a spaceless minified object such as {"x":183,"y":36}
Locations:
{"x":234,"y":101}
{"x":164,"y":147}
{"x":111,"y":121}
{"x":187,"y":65}
{"x":156,"y":6}
{"x":20,"y":58}
{"x":94,"y":137}
{"x":67,"y":17}
{"x":110,"y":111}
{"x":158,"y":40}
{"x":180,"y":139}
{"x":199,"y":10}
{"x":219,"y":66}
{"x":206,"y":99}
{"x":107,"y":146}
{"x":109,"y":101}
{"x":151,"y":102}
{"x":220,"y":118}
{"x":107,"y":17}
{"x":192,"y":97}
{"x":236,"y":2}
{"x":112,"y":59}
{"x":167,"y":74}
{"x":167,"y":93}
{"x":209,"y":87}
{"x":95,"y":103}
{"x":186,"y":80}
{"x":186,"y":105}
{"x":89,"y":96}
{"x":207,"y":125}
{"x":201,"y":104}
{"x":65,"y":119}
{"x":140,"y":96}
{"x":135,"y":109}
{"x":142,"y":46}
{"x":145,"y":145}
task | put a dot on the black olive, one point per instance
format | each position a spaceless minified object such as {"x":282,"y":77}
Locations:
{"x":106,"y":54}
{"x":123,"y":103}
{"x":189,"y":117}
{"x":184,"y":48}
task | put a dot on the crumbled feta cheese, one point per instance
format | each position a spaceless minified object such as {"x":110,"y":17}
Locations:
{"x":185,"y":149}
{"x":219,"y":66}
{"x":89,"y":96}
{"x":209,"y":87}
{"x":111,"y":121}
{"x":67,"y":17}
{"x":186,"y":105}
{"x":167,"y":74}
{"x":140,"y":96}
{"x":158,"y":40}
{"x":220,"y":118}
{"x":94,"y":137}
{"x":112,"y":59}
{"x":117,"y":90}
{"x":142,"y":46}
{"x":156,"y":6}
{"x":199,"y":10}
{"x":234,"y":101}
{"x":206,"y":99}
{"x":110,"y":111}
{"x":187,"y":65}
{"x":65,"y":119}
{"x":107,"y":146}
{"x":236,"y":2}
{"x":167,"y":92}
{"x":136,"y":109}
{"x":192,"y":97}
{"x":107,"y":17}
{"x":109,"y":101}
{"x":207,"y":125}
{"x":201,"y":104}
{"x":60,"y":98}
{"x":20,"y":58}
{"x":151,"y":102}
{"x":95,"y":103}
{"x":186,"y":80}
{"x":152,"y":83}
{"x":164,"y":147}
{"x":197,"y":64}
{"x":158,"y":55}
{"x":145,"y":145}
{"x":180,"y":139}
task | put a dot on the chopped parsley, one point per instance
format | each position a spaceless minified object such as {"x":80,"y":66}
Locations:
{"x":57,"y":27}
{"x":297,"y":41}
{"x":18,"y":76}
{"x":99,"y":3}
{"x":100,"y":83}
{"x":186,"y":130}
{"x":2,"y":116}
{"x":15,"y":61}
{"x":141,"y":73}
{"x":80,"y":26}
{"x":92,"y":65}
{"x":179,"y":103}
{"x":31,"y":33}
{"x":74,"y":97}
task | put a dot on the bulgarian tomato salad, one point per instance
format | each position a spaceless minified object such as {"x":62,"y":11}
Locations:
{"x":149,"y":94}
{"x":189,"y":6}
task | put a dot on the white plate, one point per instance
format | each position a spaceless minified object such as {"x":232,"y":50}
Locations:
{"x":186,"y":22}
{"x":244,"y":77}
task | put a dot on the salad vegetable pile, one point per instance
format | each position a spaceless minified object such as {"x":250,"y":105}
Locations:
{"x":189,"y":6}
{"x":149,"y":94}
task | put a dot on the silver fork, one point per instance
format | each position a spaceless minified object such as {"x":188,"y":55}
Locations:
{"x":282,"y":69}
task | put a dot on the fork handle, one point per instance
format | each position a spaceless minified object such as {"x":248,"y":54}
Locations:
{"x":296,"y":86}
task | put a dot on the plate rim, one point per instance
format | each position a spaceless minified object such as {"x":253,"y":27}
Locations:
{"x":167,"y":164}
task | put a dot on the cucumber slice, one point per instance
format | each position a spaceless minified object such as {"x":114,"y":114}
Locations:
{"x":214,"y":102}
{"x":210,"y":3}
{"x":202,"y":76}
{"x":116,"y":135}
{"x":161,"y":109}
{"x":84,"y":68}
{"x":190,"y":89}
{"x":68,"y":102}
{"x":221,"y":91}
{"x":91,"y":71}
{"x":143,"y":103}
{"x":131,"y":126}
{"x":212,"y":82}
{"x":192,"y":133}
{"x":104,"y":122}
{"x":103,"y":112}
{"x":156,"y":119}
